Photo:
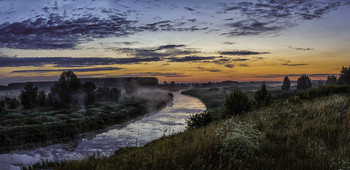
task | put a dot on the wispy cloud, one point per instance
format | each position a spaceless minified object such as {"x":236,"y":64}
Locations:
{"x":208,"y":69}
{"x":242,"y":53}
{"x":155,"y":74}
{"x":267,"y":17}
{"x":300,"y":49}
{"x":55,"y":32}
{"x":293,"y":65}
{"x":70,"y":61}
{"x":229,"y":65}
{"x":189,"y":58}
{"x":228,"y":43}
{"x":293,"y":75}
{"x":74,"y":69}
{"x":161,"y":51}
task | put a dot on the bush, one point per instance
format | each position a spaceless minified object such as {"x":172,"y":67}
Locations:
{"x":236,"y":103}
{"x":344,"y":77}
{"x":239,"y":140}
{"x":200,"y":119}
{"x":115,"y":94}
{"x":89,"y":88}
{"x":102,"y":93}
{"x":3,"y":112}
{"x":304,"y":82}
{"x":324,"y":91}
{"x":42,"y":98}
{"x":286,"y":83}
{"x":29,"y":96}
{"x":331,"y":80}
{"x":262,"y":96}
{"x":13,"y":103}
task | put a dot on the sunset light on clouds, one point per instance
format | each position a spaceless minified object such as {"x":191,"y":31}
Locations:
{"x":182,"y":41}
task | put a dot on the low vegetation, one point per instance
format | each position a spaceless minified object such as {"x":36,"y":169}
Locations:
{"x":308,"y":130}
{"x":311,"y":134}
{"x":70,"y":108}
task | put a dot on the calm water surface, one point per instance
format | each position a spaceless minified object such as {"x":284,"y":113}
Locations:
{"x":169,"y":120}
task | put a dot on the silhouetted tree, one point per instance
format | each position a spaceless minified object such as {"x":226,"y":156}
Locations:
{"x":286,"y":83}
{"x":344,"y":77}
{"x":130,"y":87}
{"x":29,"y":95}
{"x":3,"y":111}
{"x":320,"y":83}
{"x":304,"y":82}
{"x":115,"y":94}
{"x":63,"y":91}
{"x":236,"y":103}
{"x":89,"y":88}
{"x":41,"y":98}
{"x":102,"y":93}
{"x":331,"y":80}
{"x":13,"y":103}
{"x":172,"y":84}
{"x":262,"y":96}
{"x":49,"y":100}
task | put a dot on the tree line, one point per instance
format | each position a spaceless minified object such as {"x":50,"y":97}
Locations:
{"x":239,"y":102}
{"x":66,"y":92}
{"x":304,"y":82}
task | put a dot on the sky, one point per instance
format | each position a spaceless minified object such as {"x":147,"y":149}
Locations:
{"x":182,"y":41}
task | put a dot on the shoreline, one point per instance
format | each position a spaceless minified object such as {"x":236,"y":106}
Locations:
{"x":73,"y":130}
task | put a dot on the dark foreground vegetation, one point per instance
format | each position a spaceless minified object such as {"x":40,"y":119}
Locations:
{"x":70,"y":108}
{"x":308,"y":130}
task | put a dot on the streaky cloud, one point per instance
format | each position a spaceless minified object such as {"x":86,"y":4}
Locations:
{"x":73,"y":69}
{"x":70,"y":61}
{"x":242,"y":53}
{"x":155,"y":74}
{"x":293,"y":65}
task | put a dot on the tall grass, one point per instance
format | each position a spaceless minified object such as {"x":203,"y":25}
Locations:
{"x":310,"y":134}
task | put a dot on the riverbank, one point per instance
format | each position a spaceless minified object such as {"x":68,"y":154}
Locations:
{"x":44,"y":127}
{"x":302,"y":132}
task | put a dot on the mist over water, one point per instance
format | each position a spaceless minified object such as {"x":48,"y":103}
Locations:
{"x":169,"y":120}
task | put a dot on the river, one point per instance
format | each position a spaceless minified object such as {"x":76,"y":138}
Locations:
{"x":170,"y":120}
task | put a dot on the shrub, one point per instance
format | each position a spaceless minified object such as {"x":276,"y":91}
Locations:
{"x":42,"y":98}
{"x":304,"y":82}
{"x":13,"y":103}
{"x":102,"y":93}
{"x":89,"y":88}
{"x":115,"y":94}
{"x":344,"y":77}
{"x":236,"y":103}
{"x":3,"y":111}
{"x":331,"y":80}
{"x":29,"y":96}
{"x":239,"y":140}
{"x":324,"y":91}
{"x":200,"y":119}
{"x":262,"y":96}
{"x":286,"y":83}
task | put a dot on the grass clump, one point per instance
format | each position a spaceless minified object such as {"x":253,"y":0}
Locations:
{"x":240,"y":141}
{"x":200,"y":119}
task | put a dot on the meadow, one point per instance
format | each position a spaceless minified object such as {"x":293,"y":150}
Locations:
{"x":305,"y":131}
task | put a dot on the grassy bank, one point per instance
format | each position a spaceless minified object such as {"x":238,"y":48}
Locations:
{"x":298,"y":133}
{"x":43,"y":126}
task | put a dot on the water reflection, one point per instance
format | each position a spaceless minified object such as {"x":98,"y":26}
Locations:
{"x":170,"y":120}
